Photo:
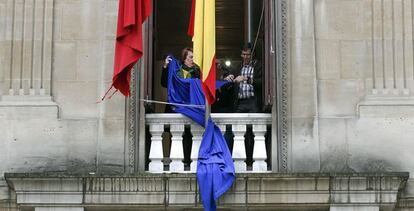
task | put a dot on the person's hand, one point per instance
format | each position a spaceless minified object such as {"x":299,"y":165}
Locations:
{"x":167,"y":61}
{"x":240,"y":78}
{"x":229,"y":78}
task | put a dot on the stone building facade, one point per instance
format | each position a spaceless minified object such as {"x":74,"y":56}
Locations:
{"x":341,"y":124}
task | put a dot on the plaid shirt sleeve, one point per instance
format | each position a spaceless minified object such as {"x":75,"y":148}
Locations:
{"x":246,"y":89}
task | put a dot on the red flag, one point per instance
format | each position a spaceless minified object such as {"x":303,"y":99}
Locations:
{"x":128,"y":48}
{"x":190,"y":31}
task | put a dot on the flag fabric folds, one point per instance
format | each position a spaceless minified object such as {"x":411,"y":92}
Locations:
{"x":128,"y":47}
{"x":202,"y":29}
{"x":215,"y":168}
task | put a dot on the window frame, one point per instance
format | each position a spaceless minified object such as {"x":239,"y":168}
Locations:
{"x":275,"y":59}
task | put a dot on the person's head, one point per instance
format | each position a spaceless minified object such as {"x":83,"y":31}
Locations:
{"x":187,"y":57}
{"x":246,"y":54}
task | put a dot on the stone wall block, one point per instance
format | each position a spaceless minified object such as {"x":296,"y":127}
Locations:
{"x":65,"y":61}
{"x":3,"y":20}
{"x":343,"y":19}
{"x":80,"y":137}
{"x":108,"y":63}
{"x":77,"y":99}
{"x":303,"y":25}
{"x":380,"y":144}
{"x":305,"y":145}
{"x":113,"y":108}
{"x":303,"y":54}
{"x":328,"y":59}
{"x":355,"y":59}
{"x":303,"y":104}
{"x":81,"y":20}
{"x":339,"y":97}
{"x":111,"y":21}
{"x":89,"y":56}
{"x":111,"y":152}
{"x":333,"y":145}
{"x":49,"y":145}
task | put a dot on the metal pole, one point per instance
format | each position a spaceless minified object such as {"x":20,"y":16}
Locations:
{"x":207,"y":114}
{"x":249,"y":21}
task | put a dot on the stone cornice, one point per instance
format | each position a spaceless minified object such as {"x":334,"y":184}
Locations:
{"x":43,"y":175}
{"x":270,"y":189}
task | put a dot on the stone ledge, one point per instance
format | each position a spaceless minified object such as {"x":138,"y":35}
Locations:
{"x":406,"y":203}
{"x":4,"y":190}
{"x":219,"y":118}
{"x":389,"y":108}
{"x":28,"y":109}
{"x":177,"y":190}
{"x":12,"y":99}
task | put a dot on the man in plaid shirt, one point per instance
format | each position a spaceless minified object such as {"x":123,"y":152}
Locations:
{"x":247,"y":84}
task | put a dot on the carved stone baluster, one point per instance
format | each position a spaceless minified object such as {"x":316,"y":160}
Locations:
{"x":259,"y":150}
{"x":177,"y":152}
{"x":197,"y":132}
{"x":222,"y":128}
{"x":239,"y":149}
{"x":156,"y":155}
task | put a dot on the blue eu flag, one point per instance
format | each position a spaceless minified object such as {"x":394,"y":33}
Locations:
{"x":215,"y":168}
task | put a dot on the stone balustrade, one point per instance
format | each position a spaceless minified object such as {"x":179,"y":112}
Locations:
{"x":246,"y":135}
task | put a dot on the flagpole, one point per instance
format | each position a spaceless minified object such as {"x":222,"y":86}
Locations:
{"x":207,"y":114}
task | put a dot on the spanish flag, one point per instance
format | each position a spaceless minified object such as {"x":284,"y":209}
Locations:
{"x":202,"y":29}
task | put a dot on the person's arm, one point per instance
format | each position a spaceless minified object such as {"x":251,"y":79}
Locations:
{"x":229,"y":77}
{"x":257,"y":84}
{"x":164,"y":73}
{"x":238,"y":77}
{"x":197,"y":72}
{"x":257,"y":75}
{"x":164,"y":77}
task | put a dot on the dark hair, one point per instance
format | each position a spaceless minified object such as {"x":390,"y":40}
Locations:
{"x":184,"y":53}
{"x":246,"y":47}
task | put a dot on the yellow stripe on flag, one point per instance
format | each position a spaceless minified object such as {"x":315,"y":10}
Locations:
{"x":204,"y":44}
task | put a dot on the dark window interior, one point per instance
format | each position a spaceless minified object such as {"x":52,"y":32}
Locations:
{"x":170,"y":25}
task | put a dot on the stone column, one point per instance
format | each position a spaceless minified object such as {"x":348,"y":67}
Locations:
{"x":177,"y":152}
{"x":156,"y":155}
{"x":239,"y":149}
{"x":303,"y":94}
{"x":259,"y":150}
{"x":197,"y":132}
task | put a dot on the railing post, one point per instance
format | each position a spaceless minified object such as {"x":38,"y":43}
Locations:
{"x":239,"y":149}
{"x":259,"y":149}
{"x":197,"y":132}
{"x":237,"y":122}
{"x":222,"y":128}
{"x":156,"y":155}
{"x":177,"y":152}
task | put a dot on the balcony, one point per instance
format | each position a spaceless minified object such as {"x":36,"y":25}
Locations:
{"x":260,"y":192}
{"x":174,"y":141}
